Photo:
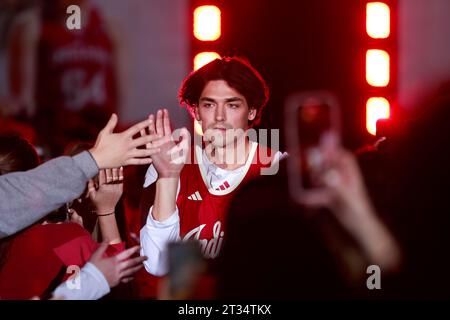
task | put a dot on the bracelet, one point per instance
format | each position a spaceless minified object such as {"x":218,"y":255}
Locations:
{"x":106,"y":214}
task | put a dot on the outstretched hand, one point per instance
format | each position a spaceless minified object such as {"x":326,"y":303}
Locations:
{"x":173,"y":146}
{"x":113,"y":150}
{"x":109,"y":190}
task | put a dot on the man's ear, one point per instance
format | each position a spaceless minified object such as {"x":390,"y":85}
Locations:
{"x":252,"y":114}
{"x":196,"y":113}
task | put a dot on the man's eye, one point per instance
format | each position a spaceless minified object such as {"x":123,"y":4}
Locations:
{"x":207,"y":105}
{"x":233,"y":106}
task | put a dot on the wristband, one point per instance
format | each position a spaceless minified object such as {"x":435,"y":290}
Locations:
{"x":106,"y":214}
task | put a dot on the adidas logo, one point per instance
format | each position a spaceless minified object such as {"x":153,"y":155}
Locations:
{"x":224,"y":186}
{"x":195,"y":196}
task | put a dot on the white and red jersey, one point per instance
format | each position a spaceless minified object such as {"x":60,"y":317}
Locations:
{"x":75,"y":67}
{"x":204,"y":194}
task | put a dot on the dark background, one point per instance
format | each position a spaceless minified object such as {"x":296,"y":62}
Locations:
{"x":304,"y":46}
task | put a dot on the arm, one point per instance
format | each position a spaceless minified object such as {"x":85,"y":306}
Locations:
{"x":93,"y":285}
{"x":165,"y":198}
{"x":28,"y":196}
{"x":345,"y":195}
{"x":163,"y":224}
{"x":355,"y":212}
{"x":155,"y":235}
{"x":168,"y":169}
{"x":100,"y":274}
{"x":161,"y":229}
{"x":105,"y":198}
{"x":378,"y":245}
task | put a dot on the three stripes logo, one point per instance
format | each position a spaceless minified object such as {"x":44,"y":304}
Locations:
{"x":224,"y":186}
{"x":195,"y":196}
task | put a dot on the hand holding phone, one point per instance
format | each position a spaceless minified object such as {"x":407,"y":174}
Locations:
{"x":312,"y":135}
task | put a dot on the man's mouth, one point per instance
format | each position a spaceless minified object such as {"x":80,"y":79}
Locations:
{"x":220,"y":129}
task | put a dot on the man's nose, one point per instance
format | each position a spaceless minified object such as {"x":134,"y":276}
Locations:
{"x":220,"y":113}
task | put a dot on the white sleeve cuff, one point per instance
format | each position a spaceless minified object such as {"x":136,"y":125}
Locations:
{"x":89,"y":284}
{"x":155,"y":236}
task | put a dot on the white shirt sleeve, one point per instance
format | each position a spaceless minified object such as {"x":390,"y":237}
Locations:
{"x":155,"y":236}
{"x":89,"y":284}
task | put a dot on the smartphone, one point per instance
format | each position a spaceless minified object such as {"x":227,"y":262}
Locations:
{"x":312,"y":122}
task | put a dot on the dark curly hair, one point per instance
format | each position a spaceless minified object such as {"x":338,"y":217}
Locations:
{"x":16,"y":154}
{"x":238,"y":73}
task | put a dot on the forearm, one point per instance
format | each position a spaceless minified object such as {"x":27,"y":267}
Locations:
{"x":165,"y":198}
{"x":108,"y":227}
{"x":381,"y":248}
{"x":28,"y":196}
{"x":374,"y":238}
{"x":155,"y":237}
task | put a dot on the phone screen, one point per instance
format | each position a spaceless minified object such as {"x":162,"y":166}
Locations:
{"x":314,"y":123}
{"x":312,"y":128}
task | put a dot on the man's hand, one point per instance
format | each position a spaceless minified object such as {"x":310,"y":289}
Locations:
{"x":109,"y":191}
{"x":113,"y":150}
{"x":168,"y":162}
{"x":118,"y":268}
{"x":172,"y":156}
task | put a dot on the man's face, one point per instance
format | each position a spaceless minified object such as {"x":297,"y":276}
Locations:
{"x":223,"y":112}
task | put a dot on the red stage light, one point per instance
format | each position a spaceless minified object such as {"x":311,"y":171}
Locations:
{"x":376,"y":108}
{"x":377,"y":68}
{"x":207,"y":23}
{"x":204,"y":58}
{"x":378,"y":20}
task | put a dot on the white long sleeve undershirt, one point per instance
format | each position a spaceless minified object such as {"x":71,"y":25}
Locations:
{"x":89,"y":284}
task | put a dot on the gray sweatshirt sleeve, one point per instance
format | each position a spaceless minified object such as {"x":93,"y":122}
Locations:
{"x":26,"y":197}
